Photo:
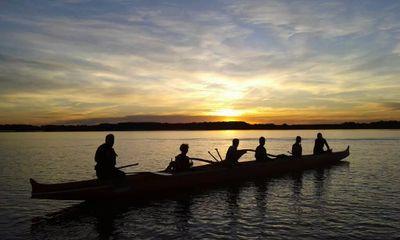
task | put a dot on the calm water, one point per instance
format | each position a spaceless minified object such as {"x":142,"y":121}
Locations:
{"x":357,"y":200}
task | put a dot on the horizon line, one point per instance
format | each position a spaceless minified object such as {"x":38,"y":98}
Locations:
{"x":202,"y":122}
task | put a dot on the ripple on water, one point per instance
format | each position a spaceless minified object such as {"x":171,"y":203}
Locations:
{"x":359,"y":200}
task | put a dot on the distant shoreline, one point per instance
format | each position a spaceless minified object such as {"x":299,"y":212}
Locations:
{"x":196,"y":126}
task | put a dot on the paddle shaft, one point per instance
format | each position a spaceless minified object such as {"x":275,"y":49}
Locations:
{"x":202,"y":160}
{"x":212,"y":156}
{"x":219,"y":155}
{"x":249,"y":150}
{"x":130,"y":165}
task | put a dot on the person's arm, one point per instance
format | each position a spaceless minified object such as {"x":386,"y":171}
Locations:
{"x":97,"y":155}
{"x":315,"y":147}
{"x":171,"y":166}
{"x":190,"y":161}
{"x":114,"y":157}
{"x":228,"y":155}
{"x":326,"y":143}
{"x":240,"y":153}
{"x":247,"y":150}
{"x":301,"y":150}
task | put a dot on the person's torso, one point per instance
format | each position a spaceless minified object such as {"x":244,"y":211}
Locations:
{"x":182,"y":162}
{"x":319,"y":143}
{"x":105,"y":156}
{"x":296,"y":149}
{"x":261,"y":153}
{"x":231,"y":154}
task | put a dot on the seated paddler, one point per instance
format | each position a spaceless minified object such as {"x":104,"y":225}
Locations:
{"x":297,"y":150}
{"x":261,"y":152}
{"x":319,"y":145}
{"x":182,"y":161}
{"x":105,"y":158}
{"x":233,"y":154}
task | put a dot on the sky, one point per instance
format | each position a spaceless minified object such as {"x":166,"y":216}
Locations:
{"x":183,"y":61}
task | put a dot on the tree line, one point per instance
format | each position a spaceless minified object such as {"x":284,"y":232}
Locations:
{"x":233,"y":125}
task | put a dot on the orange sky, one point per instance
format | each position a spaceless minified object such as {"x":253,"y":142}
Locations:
{"x":255,"y":61}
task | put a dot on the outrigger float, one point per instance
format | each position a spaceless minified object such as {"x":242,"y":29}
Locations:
{"x":152,"y":184}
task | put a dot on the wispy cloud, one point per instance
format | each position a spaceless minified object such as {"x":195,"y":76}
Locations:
{"x":269,"y":60}
{"x":395,"y":106}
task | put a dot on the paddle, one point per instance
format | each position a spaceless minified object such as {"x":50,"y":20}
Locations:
{"x":248,"y":150}
{"x":130,"y":165}
{"x":202,"y":160}
{"x":218,"y":154}
{"x":213,"y":156}
{"x":278,"y":156}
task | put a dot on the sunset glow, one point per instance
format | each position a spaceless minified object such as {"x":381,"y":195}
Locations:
{"x":255,"y":61}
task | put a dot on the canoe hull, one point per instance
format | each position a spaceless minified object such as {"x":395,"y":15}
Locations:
{"x":148,"y":184}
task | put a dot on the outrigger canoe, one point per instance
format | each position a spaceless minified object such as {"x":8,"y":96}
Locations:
{"x":153,"y":184}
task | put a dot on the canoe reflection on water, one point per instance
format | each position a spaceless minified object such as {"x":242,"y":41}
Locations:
{"x":201,"y":213}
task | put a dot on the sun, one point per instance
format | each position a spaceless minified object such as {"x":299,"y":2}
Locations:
{"x":227,"y":113}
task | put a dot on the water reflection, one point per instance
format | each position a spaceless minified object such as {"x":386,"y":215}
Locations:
{"x":319,"y":178}
{"x":322,"y":178}
{"x":183,"y":214}
{"x":261,"y":197}
{"x":244,"y":207}
{"x":97,"y":216}
{"x":261,"y":194}
{"x":297,"y":179}
{"x":105,"y":215}
{"x":232,"y":201}
{"x":44,"y":227}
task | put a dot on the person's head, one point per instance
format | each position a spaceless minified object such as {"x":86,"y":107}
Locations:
{"x":261,"y":140}
{"x":298,"y":139}
{"x":184,"y":148}
{"x":110,"y":140}
{"x":319,"y":135}
{"x":235,"y":142}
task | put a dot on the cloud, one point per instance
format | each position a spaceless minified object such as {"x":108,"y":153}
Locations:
{"x":395,"y":106}
{"x":397,"y":50}
{"x":327,"y":19}
{"x":170,"y":58}
{"x":144,"y":118}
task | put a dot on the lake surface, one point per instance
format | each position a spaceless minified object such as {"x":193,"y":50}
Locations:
{"x":356,"y":200}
